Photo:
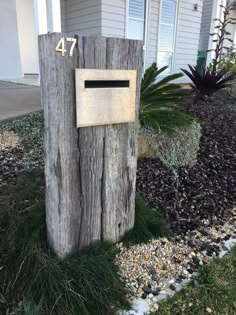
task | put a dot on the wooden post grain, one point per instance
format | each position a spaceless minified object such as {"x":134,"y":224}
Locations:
{"x":90,"y":172}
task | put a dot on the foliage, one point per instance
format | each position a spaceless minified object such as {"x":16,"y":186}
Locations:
{"x":28,"y":308}
{"x":33,"y":281}
{"x":221,"y":34}
{"x":160,"y":99}
{"x":206,"y":82}
{"x":29,"y":130}
{"x":180,"y":149}
{"x":214,"y":293}
{"x":80,"y":284}
{"x":228,"y":60}
{"x":149,"y":223}
{"x":31,"y":124}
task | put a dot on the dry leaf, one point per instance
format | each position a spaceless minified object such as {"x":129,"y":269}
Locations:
{"x":209,"y":310}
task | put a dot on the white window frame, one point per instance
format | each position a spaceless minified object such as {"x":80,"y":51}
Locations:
{"x":145,"y":28}
{"x":175,"y":33}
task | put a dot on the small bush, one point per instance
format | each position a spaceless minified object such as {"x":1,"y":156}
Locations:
{"x":29,"y":133}
{"x":178,"y":149}
{"x":160,"y":101}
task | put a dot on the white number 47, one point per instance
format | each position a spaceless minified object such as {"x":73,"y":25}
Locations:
{"x":61,"y":46}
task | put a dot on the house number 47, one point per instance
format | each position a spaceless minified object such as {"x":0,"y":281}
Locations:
{"x":61,"y":45}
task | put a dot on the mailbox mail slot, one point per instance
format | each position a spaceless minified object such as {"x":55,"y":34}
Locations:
{"x":105,"y":97}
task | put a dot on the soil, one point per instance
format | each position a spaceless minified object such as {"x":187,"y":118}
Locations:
{"x":205,"y":193}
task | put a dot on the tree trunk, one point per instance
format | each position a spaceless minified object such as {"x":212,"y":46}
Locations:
{"x":90,"y":172}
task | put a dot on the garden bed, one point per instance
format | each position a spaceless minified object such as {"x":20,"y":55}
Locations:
{"x":205,"y":193}
{"x":198,"y":202}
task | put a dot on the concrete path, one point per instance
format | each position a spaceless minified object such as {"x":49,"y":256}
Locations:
{"x":18,"y":100}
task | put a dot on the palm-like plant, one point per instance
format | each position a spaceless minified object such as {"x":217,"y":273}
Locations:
{"x":160,"y":99}
{"x":206,"y":82}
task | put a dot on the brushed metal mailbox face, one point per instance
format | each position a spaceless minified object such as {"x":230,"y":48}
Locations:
{"x":105,"y":97}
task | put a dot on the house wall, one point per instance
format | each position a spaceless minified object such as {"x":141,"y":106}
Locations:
{"x":109,"y":18}
{"x":63,"y":16}
{"x":27,"y":36}
{"x":231,"y":28}
{"x":10,"y":50}
{"x":187,"y":34}
{"x":82,"y":16}
{"x":152,"y":32}
{"x":113,"y":18}
{"x":206,"y":24}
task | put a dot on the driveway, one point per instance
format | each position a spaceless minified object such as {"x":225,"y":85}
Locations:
{"x":18,"y":100}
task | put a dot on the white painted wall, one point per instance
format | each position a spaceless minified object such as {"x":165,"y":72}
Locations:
{"x":10,"y":63}
{"x":187,"y":34}
{"x":113,"y":18}
{"x":82,"y":16}
{"x":27,"y":36}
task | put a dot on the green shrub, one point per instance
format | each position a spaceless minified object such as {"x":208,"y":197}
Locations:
{"x":149,"y":223}
{"x":80,"y":284}
{"x":33,"y":281}
{"x":160,"y":100}
{"x":29,"y":130}
{"x":178,"y":149}
{"x":28,"y":308}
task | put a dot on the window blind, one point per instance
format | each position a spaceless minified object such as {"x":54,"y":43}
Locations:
{"x":137,"y":9}
{"x":167,"y":33}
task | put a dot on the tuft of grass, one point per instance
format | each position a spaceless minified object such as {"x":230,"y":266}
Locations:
{"x":149,"y":223}
{"x":215,"y":293}
{"x":29,"y":271}
{"x":34,"y":281}
{"x":29,"y":308}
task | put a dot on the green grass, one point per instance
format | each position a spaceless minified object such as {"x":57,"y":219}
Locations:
{"x":149,"y":223}
{"x":33,"y":281}
{"x":79,"y":284}
{"x":215,"y":293}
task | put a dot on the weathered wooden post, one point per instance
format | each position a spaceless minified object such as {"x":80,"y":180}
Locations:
{"x":90,"y":171}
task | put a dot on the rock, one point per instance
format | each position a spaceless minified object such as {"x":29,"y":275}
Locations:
{"x":144,"y":296}
{"x":147,"y":290}
{"x":156,"y":292}
{"x":179,"y":280}
{"x":172,"y":287}
{"x":225,"y":248}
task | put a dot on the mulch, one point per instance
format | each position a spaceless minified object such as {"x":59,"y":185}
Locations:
{"x":205,"y":193}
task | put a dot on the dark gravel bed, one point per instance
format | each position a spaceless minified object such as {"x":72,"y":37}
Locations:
{"x":205,"y":193}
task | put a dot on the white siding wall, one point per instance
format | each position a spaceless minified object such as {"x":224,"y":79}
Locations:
{"x":187,"y":34}
{"x":206,"y":24}
{"x":152,"y":32}
{"x":63,"y":16}
{"x":83,"y":16}
{"x":114,"y":18}
{"x":108,"y":18}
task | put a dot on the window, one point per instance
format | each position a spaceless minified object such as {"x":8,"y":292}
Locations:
{"x":137,"y":15}
{"x":167,"y":29}
{"x":136,"y":19}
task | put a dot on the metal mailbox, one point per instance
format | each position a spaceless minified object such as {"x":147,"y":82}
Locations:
{"x":105,"y":97}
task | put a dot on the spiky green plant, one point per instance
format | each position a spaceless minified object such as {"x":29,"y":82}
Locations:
{"x":80,"y":284}
{"x":149,"y":223}
{"x":160,"y":99}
